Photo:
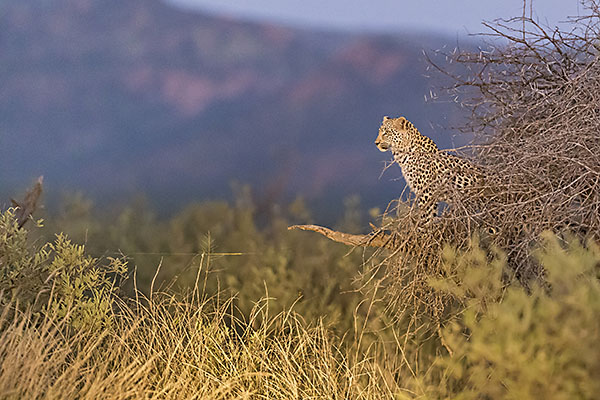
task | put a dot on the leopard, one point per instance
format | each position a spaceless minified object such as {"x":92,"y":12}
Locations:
{"x":433,"y":175}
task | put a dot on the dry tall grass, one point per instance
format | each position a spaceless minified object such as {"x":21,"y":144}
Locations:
{"x":181,"y":349}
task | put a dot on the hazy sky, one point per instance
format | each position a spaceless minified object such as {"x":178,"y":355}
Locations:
{"x":445,"y":16}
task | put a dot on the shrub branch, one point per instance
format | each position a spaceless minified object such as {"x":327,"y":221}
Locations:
{"x":373,"y":239}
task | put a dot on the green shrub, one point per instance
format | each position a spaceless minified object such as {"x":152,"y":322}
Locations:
{"x":511,"y":344}
{"x":57,"y":278}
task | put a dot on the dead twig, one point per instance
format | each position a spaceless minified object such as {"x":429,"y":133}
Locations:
{"x":26,"y":208}
{"x":374,"y":239}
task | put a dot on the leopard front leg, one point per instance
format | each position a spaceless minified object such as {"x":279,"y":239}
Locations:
{"x":427,"y":205}
{"x":420,"y":174}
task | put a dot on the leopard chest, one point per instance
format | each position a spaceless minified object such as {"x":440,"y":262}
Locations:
{"x":416,"y":169}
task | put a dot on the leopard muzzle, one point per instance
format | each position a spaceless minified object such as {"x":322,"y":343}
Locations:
{"x":381,"y":145}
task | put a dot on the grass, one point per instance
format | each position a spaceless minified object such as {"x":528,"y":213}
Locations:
{"x":180,"y":349}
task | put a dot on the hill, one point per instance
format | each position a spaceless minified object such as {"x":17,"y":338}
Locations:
{"x":117,"y":98}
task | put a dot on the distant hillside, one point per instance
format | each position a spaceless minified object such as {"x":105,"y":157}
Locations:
{"x":117,"y":97}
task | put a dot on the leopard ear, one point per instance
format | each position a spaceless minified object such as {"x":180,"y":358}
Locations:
{"x":386,"y":118}
{"x":403,"y":123}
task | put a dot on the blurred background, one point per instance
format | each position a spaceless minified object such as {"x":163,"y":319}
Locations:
{"x":179,"y":99}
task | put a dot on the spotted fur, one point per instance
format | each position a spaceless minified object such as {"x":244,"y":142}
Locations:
{"x":432,"y":174}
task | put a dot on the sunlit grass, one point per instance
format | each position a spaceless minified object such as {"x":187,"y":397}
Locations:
{"x":173,"y":348}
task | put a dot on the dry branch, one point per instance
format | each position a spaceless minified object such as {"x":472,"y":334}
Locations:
{"x":374,"y":239}
{"x":26,"y":208}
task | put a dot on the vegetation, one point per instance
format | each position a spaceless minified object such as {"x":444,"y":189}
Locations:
{"x":241,"y":253}
{"x":504,"y":342}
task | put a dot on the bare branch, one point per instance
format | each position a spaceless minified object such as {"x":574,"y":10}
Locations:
{"x":375,"y":239}
{"x":26,"y":208}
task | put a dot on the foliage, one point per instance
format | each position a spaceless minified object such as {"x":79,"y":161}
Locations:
{"x":533,"y":94}
{"x":58,"y":278}
{"x":511,"y":344}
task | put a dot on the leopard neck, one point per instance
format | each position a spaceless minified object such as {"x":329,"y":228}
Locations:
{"x":407,"y":156}
{"x":414,"y":143}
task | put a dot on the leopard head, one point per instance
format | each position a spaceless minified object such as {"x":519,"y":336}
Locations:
{"x":393,"y":133}
{"x":399,"y":134}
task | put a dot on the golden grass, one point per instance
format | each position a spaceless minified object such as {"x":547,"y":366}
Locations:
{"x":170,"y":348}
